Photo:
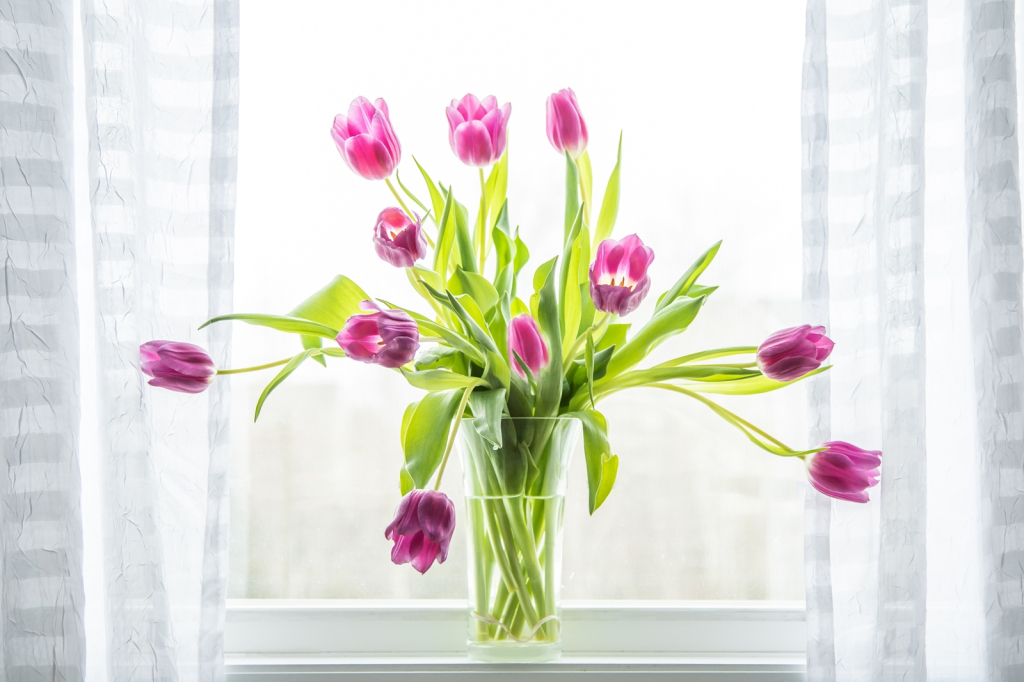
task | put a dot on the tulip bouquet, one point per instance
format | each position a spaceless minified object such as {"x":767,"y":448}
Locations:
{"x":512,"y":370}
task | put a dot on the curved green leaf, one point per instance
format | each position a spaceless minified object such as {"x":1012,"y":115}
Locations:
{"x":602,"y":465}
{"x":440,"y":380}
{"x":609,"y":203}
{"x":683,"y":285}
{"x":292,"y":365}
{"x":751,"y":386}
{"x":671,"y":320}
{"x":282,"y":323}
{"x":426,"y":434}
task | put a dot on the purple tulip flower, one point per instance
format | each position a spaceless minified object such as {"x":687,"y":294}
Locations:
{"x":397,"y":239}
{"x":422,"y":529}
{"x":567,"y":131}
{"x":388,"y":338}
{"x":525,"y":339}
{"x":366,"y":140}
{"x":844,"y":471}
{"x":177,"y":366}
{"x":477,"y":130}
{"x":618,"y":276}
{"x":791,"y":353}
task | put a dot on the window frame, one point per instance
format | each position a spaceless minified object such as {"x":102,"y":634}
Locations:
{"x":361,"y":639}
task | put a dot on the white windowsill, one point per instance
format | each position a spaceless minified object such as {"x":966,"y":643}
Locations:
{"x":425,"y":640}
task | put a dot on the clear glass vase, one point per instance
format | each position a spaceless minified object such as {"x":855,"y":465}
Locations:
{"x":515,"y":503}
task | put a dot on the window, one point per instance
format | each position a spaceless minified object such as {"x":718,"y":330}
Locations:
{"x":708,"y":99}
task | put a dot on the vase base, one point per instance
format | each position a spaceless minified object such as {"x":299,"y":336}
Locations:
{"x":513,"y":652}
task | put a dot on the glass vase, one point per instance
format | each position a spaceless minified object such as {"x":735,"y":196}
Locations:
{"x":515,"y":503}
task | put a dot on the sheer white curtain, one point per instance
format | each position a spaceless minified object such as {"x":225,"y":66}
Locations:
{"x":161,"y":93}
{"x":912,"y":234}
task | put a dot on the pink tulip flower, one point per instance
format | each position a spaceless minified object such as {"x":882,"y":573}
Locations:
{"x":388,"y":338}
{"x":567,"y":131}
{"x":791,"y":353}
{"x":844,"y":471}
{"x":422,"y":529}
{"x":177,"y":366}
{"x":618,"y":276}
{"x":366,"y":140}
{"x":525,"y":339}
{"x":477,"y":130}
{"x":398,"y":240}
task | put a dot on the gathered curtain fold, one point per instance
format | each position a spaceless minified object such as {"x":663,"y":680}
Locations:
{"x":912,"y":257}
{"x":161,"y":94}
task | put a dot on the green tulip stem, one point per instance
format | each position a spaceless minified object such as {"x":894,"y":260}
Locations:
{"x":242,"y":370}
{"x":398,"y":197}
{"x":482,"y":220}
{"x":709,"y":355}
{"x":451,"y":436}
{"x":727,"y":415}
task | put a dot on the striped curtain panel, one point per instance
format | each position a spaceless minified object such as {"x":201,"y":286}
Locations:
{"x":912,"y":257}
{"x":161,"y":102}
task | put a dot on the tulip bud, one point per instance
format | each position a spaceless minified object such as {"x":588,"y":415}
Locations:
{"x":791,"y":353}
{"x":177,"y":366}
{"x":618,"y":275}
{"x":567,"y":131}
{"x":477,"y":130}
{"x":366,"y":140}
{"x":388,"y":338}
{"x":844,"y":471}
{"x":422,"y":529}
{"x":524,"y":338}
{"x":399,"y":240}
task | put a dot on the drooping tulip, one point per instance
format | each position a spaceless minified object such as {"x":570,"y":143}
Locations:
{"x":388,"y":338}
{"x":177,"y":366}
{"x":567,"y":131}
{"x":366,"y":140}
{"x":844,"y":471}
{"x":790,"y":353}
{"x":422,"y":529}
{"x":398,"y":239}
{"x":524,"y":338}
{"x":618,"y":275}
{"x":477,"y":130}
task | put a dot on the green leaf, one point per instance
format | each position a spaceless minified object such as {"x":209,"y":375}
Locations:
{"x":331,"y":306}
{"x":440,"y":380}
{"x":586,"y":184}
{"x":475,"y":328}
{"x":602,"y":465}
{"x":589,"y":359}
{"x":436,"y":357}
{"x":683,"y":285}
{"x":497,"y":187}
{"x":614,"y":335}
{"x":549,"y":383}
{"x":475,"y":286}
{"x":572,"y":196}
{"x":519,"y":308}
{"x":610,"y":203}
{"x":446,"y":229}
{"x":463,"y":238}
{"x":285,"y":372}
{"x":504,"y":244}
{"x":539,"y":277}
{"x":426,"y":434}
{"x":436,"y":200}
{"x":487,"y":407}
{"x":751,"y":386}
{"x":522,"y":253}
{"x":671,"y":320}
{"x":405,"y":483}
{"x":500,"y":318}
{"x":282,"y":323}
{"x":701,"y":373}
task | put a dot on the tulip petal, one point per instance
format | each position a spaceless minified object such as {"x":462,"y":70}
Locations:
{"x":424,"y":559}
{"x":788,"y":368}
{"x":368,"y":157}
{"x":468,"y":107}
{"x":487,"y":105}
{"x":406,"y":548}
{"x":436,"y":515}
{"x":860,"y":497}
{"x":455,"y":119}
{"x":181,"y":384}
{"x":473,"y":144}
